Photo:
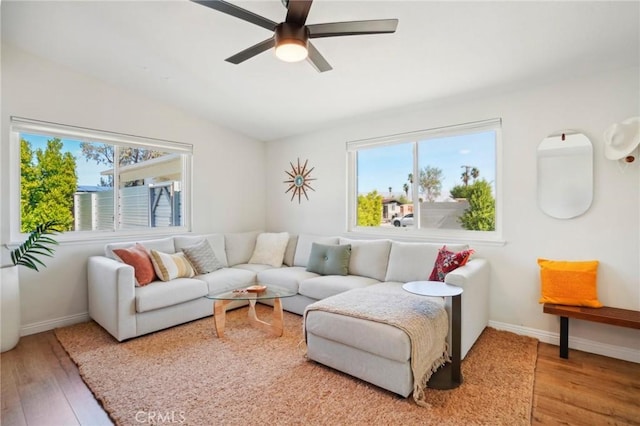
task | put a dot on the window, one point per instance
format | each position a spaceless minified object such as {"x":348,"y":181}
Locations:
{"x":438,"y":183}
{"x":95,"y":181}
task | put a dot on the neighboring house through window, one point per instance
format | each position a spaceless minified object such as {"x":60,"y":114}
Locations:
{"x":440,"y":183}
{"x":98,"y":181}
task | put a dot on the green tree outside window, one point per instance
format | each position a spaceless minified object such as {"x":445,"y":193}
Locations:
{"x":370,"y":209}
{"x":481,"y":214}
{"x":49,"y":181}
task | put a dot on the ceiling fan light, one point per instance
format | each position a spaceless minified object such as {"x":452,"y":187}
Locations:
{"x":291,"y":42}
{"x":291,"y":50}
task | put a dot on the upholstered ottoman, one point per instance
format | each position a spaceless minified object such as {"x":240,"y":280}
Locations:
{"x":380,"y":334}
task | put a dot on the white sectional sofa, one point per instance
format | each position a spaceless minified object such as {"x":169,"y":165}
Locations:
{"x":127,"y":311}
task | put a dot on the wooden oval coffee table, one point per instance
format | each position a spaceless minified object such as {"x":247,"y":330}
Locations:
{"x":221,"y":300}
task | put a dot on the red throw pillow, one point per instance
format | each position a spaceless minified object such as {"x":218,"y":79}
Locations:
{"x":138,"y":257}
{"x":447,"y":261}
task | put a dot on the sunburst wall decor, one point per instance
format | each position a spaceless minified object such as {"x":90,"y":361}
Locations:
{"x":299,"y":180}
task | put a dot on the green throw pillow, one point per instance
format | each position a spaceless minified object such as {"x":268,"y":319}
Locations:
{"x":329,"y":259}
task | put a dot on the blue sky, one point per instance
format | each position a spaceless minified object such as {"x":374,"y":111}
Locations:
{"x":389,"y":166}
{"x":378,"y":168}
{"x":88,"y":171}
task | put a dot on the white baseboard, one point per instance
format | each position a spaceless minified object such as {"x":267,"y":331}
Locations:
{"x":618,"y":352}
{"x":39,"y":327}
{"x":585,"y":345}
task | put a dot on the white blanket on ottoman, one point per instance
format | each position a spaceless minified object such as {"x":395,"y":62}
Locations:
{"x":423,"y":319}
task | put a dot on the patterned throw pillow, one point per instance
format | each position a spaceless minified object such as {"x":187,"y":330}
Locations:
{"x":138,"y":257}
{"x":447,"y":261}
{"x":171,"y":266}
{"x":202,"y":258}
{"x":569,"y":282}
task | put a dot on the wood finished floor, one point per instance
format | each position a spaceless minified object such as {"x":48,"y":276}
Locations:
{"x":42,"y":386}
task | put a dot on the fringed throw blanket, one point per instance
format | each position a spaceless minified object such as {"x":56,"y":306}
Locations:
{"x":424,"y":319}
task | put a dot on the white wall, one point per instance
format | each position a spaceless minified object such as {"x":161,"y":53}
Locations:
{"x":228,"y":170}
{"x":609,"y":231}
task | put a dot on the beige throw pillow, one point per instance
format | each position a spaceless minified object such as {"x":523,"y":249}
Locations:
{"x":171,"y":266}
{"x":270,"y":248}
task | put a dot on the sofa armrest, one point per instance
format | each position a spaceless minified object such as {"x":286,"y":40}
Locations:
{"x":112,"y":296}
{"x":474,"y":279}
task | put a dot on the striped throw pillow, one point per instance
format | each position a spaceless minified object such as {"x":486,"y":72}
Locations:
{"x":171,"y":266}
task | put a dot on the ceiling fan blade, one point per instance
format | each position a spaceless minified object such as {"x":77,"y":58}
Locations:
{"x":335,"y":29}
{"x":252,"y":51}
{"x":297,"y":11}
{"x":238,"y":12}
{"x":317,"y":60}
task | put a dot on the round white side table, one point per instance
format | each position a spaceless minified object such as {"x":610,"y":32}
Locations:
{"x":449,"y":376}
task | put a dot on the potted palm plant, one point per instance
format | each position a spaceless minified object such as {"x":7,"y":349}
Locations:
{"x":27,"y":254}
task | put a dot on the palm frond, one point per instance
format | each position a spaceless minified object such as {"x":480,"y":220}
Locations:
{"x":37,"y":244}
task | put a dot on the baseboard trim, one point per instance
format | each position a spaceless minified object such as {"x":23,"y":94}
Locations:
{"x":39,"y":327}
{"x":585,"y":345}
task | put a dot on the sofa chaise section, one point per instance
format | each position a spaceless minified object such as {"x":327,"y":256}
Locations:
{"x":380,"y":353}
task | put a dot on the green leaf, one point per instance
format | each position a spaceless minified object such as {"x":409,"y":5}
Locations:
{"x":37,"y":244}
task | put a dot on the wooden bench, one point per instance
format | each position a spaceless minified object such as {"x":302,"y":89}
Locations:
{"x":606,"y":315}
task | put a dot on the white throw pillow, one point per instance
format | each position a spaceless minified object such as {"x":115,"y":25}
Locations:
{"x":270,"y":248}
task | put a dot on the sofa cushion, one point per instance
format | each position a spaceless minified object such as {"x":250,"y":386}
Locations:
{"x":329,"y":285}
{"x":374,"y":337}
{"x":327,"y":259}
{"x":162,"y":244}
{"x":253,"y":267}
{"x":226,"y":279}
{"x":290,"y":252}
{"x":202,"y":257}
{"x":239,"y":246}
{"x":270,"y":248}
{"x":288,"y":278}
{"x":414,"y":261}
{"x":303,"y":247}
{"x":216,"y":241}
{"x":369,"y":258}
{"x":171,"y":266}
{"x":162,"y":294}
{"x":138,"y":257}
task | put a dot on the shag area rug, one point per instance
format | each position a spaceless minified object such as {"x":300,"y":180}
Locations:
{"x":186,"y":375}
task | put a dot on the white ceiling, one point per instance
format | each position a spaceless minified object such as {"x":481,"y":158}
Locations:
{"x":174,"y":51}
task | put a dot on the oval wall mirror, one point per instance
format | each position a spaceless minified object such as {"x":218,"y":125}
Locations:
{"x":565,"y":175}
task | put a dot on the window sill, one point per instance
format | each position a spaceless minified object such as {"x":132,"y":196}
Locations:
{"x":431,"y":236}
{"x":83,"y":237}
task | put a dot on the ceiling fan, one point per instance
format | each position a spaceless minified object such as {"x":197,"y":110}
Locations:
{"x":291,"y":38}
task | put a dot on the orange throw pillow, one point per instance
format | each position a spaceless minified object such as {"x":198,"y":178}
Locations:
{"x":569,"y":283}
{"x":138,"y":257}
